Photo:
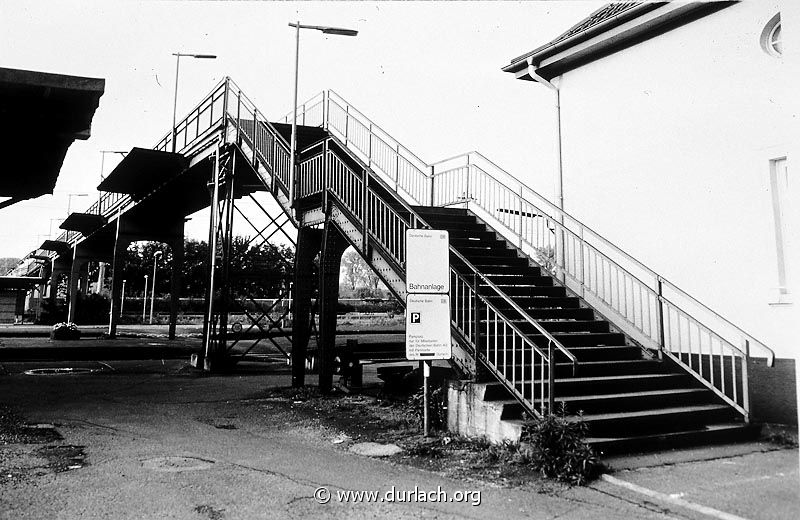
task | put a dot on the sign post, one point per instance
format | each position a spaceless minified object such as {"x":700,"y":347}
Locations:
{"x":427,"y":303}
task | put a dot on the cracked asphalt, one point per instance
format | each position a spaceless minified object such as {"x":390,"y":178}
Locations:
{"x":161,"y":441}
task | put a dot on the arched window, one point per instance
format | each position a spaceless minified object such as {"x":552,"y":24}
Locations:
{"x":771,"y":40}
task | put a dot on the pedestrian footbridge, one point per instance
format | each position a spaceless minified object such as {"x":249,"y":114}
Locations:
{"x":545,"y":313}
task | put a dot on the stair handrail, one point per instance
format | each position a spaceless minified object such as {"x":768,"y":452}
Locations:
{"x":433,"y":171}
{"x":664,"y":329}
{"x":317,"y":171}
{"x":416,"y":218}
{"x":581,"y":227}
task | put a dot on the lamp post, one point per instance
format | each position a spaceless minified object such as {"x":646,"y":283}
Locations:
{"x":325,"y":30}
{"x":122,"y":302}
{"x":102,"y":171}
{"x":69,"y":200}
{"x":178,"y":56}
{"x":144,"y":299}
{"x":153,"y":284}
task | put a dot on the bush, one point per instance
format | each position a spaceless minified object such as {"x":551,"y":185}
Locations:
{"x":65,"y":331}
{"x":557,"y":449}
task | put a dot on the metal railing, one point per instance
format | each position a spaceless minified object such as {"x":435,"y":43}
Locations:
{"x":195,"y":127}
{"x":655,"y":312}
{"x":491,"y":336}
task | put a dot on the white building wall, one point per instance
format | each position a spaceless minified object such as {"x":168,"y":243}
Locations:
{"x":666,"y":150}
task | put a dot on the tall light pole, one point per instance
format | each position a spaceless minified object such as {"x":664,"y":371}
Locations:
{"x":122,"y":302}
{"x":153,"y":284}
{"x":144,"y":299}
{"x":178,"y":56}
{"x":325,"y":30}
{"x":102,"y":171}
{"x":69,"y":200}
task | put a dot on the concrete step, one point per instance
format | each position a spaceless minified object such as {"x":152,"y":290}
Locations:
{"x":716,"y":433}
{"x":636,"y":400}
{"x":656,"y":421}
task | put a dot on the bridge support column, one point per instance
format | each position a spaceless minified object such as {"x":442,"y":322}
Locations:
{"x":333,"y":246}
{"x":60,"y":268}
{"x":175,"y":281}
{"x":120,"y":246}
{"x":309,"y":241}
{"x":74,"y":285}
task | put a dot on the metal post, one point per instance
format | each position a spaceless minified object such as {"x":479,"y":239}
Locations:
{"x":153,"y":284}
{"x":582,"y":278}
{"x":144,"y":299}
{"x":466,"y":190}
{"x":293,"y":144}
{"x":660,"y":306}
{"x":369,"y":147}
{"x":175,"y":102}
{"x":433,"y":172}
{"x":346,"y":122}
{"x":745,"y":380}
{"x":212,"y":246}
{"x":122,"y":302}
{"x":426,"y":416}
{"x":551,"y":379}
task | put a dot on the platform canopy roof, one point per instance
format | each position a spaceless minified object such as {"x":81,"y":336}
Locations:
{"x":42,"y":115}
{"x":19,"y":282}
{"x":85,"y":223}
{"x":59,"y":246}
{"x":142,"y":171}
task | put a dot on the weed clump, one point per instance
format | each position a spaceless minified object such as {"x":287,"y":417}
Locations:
{"x":555,"y":447}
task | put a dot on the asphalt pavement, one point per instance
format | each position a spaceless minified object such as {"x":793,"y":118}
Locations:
{"x":163,"y":441}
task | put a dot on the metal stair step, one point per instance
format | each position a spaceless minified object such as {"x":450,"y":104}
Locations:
{"x":525,"y":302}
{"x":588,"y":368}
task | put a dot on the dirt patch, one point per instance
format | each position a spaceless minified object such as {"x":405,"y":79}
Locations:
{"x":14,"y":430}
{"x":22,"y":457}
{"x":359,"y":418}
{"x":210,"y":512}
{"x":63,"y":458}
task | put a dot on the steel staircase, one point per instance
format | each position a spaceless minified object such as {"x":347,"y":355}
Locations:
{"x":545,"y":311}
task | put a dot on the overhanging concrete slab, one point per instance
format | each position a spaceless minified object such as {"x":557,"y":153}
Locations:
{"x":43,"y":114}
{"x":142,"y":171}
{"x":57,"y":246}
{"x":85,"y":223}
{"x":19,"y":282}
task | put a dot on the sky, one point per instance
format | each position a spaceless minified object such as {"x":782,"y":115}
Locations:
{"x":428,"y":73}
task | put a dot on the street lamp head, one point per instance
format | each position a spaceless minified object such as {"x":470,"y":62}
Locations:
{"x":192,"y":55}
{"x":158,"y":254}
{"x":340,"y":32}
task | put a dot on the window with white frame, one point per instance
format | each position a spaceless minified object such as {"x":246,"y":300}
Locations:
{"x":779,"y":189}
{"x":771,"y":37}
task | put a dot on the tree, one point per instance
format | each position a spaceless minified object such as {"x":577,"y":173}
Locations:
{"x":354,"y":269}
{"x":362,"y":281}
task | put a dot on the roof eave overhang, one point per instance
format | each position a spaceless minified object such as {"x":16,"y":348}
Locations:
{"x":639,"y":24}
